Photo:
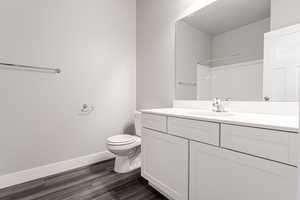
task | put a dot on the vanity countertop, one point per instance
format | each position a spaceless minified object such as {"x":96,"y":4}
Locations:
{"x":274,"y":122}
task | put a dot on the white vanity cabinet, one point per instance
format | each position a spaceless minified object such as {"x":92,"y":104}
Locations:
{"x":190,"y":159}
{"x":165,"y":163}
{"x":219,"y":174}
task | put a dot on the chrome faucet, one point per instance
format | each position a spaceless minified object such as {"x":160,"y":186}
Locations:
{"x":218,"y":105}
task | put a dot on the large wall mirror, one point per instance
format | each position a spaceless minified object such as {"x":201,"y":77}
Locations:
{"x":220,"y":52}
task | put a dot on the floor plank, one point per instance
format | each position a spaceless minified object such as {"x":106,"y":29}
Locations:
{"x":96,"y":182}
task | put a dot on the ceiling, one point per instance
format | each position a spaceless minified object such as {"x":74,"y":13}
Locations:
{"x":225,"y":15}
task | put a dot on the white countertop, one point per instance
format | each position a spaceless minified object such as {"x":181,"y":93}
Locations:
{"x":274,"y":122}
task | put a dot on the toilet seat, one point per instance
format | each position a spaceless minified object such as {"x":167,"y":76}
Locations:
{"x":119,"y":147}
{"x":119,"y":140}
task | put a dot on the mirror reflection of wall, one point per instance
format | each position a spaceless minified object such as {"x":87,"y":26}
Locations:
{"x":220,"y":51}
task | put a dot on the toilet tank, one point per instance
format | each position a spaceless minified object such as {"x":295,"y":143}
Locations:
{"x":138,"y":123}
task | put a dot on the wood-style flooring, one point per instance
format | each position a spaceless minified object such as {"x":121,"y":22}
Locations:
{"x":96,"y":182}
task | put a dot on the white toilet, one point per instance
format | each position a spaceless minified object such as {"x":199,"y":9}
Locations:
{"x":127,"y":148}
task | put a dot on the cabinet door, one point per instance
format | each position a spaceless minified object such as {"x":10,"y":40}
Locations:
{"x":165,"y":163}
{"x":281,"y":64}
{"x":219,"y":174}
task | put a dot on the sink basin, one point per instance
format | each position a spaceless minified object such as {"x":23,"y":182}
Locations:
{"x":212,"y":114}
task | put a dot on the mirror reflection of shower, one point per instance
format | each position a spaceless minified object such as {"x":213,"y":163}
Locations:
{"x":220,"y":53}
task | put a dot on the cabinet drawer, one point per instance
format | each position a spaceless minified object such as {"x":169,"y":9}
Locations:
{"x":275,"y":145}
{"x":155,"y":122}
{"x":201,"y":131}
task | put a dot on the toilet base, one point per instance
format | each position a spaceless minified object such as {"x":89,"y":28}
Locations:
{"x":125,"y":164}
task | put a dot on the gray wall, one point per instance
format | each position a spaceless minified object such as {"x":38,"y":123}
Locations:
{"x":93,"y":42}
{"x":192,"y":46}
{"x":284,"y":13}
{"x":247,"y":41}
{"x":155,"y":50}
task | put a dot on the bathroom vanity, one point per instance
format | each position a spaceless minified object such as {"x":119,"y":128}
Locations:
{"x":194,"y":154}
{"x":228,"y":50}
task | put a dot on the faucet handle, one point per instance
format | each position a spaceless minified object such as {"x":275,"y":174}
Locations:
{"x":216,"y":100}
{"x":216,"y":103}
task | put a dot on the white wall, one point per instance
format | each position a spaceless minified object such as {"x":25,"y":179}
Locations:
{"x":155,"y":50}
{"x":247,"y":41}
{"x":284,"y":13}
{"x":239,"y":82}
{"x":93,"y":42}
{"x":204,"y":82}
{"x":192,"y":46}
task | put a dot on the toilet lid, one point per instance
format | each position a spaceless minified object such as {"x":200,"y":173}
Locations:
{"x":121,"y":139}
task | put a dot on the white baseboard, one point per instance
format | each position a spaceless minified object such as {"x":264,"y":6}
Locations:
{"x":51,"y":169}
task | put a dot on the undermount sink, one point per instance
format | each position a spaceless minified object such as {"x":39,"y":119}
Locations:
{"x":211,"y":113}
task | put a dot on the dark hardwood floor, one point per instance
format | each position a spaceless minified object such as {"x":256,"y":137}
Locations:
{"x":96,"y":182}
